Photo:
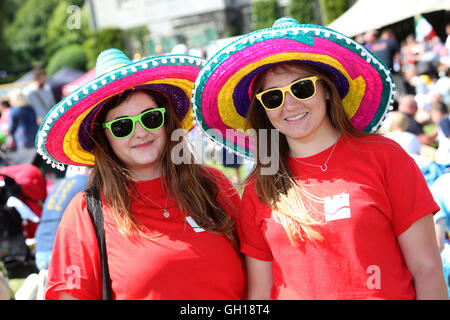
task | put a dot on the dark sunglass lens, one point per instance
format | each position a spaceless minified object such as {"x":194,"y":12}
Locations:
{"x":152,"y":119}
{"x":303,"y":89}
{"x":122,"y":128}
{"x":272,"y":99}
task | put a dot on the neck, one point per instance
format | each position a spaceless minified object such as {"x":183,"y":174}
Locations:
{"x":146,"y":173}
{"x":316,"y":142}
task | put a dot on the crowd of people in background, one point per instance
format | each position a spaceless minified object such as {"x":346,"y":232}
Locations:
{"x":420,"y":123}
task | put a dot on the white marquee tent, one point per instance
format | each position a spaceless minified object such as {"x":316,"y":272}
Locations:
{"x":369,"y":14}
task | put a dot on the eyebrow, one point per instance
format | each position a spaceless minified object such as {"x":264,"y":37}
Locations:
{"x":288,"y":84}
{"x":122,"y":117}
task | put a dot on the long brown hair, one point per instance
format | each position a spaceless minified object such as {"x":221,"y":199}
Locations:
{"x":291,"y":203}
{"x":193,"y":187}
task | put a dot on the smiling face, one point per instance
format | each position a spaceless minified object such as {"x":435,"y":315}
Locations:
{"x":301,"y":121}
{"x":141,"y":151}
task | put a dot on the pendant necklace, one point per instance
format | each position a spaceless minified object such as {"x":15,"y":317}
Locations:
{"x":166,"y":213}
{"x":324,"y":166}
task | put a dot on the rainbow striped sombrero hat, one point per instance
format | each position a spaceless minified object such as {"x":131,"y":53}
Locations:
{"x":64,"y":136}
{"x":222,"y":91}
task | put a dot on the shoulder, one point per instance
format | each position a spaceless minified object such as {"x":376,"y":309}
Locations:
{"x":250,"y":193}
{"x":379,"y":148}
{"x":76,"y":217}
{"x":217,"y":175}
{"x":373,"y":142}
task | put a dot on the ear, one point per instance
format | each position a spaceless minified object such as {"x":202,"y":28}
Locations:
{"x":327,"y":94}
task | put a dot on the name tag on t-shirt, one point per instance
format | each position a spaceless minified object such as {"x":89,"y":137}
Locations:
{"x":337,"y":207}
{"x":194,"y":224}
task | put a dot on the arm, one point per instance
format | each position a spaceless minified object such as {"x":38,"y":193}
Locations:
{"x":420,"y":251}
{"x":440,"y":233}
{"x":259,"y":278}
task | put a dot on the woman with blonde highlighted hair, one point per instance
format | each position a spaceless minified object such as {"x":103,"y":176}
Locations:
{"x":346,"y":213}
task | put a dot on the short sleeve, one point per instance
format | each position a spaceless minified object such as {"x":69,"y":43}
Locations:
{"x":250,"y":232}
{"x":408,"y":192}
{"x":75,"y":263}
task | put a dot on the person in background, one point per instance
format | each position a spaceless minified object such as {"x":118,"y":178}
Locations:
{"x":63,"y":192}
{"x":4,"y":116}
{"x":407,"y":140}
{"x":39,"y":94}
{"x":22,"y":121}
{"x":408,"y":106}
{"x":440,"y":115}
{"x":370,"y":37}
{"x":387,"y":49}
{"x":439,"y":189}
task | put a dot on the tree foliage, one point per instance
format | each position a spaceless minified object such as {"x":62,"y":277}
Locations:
{"x":66,"y":26}
{"x":331,"y":9}
{"x":264,"y":13}
{"x":102,"y":40}
{"x":301,"y":10}
{"x":27,"y":35}
{"x":72,"y":56}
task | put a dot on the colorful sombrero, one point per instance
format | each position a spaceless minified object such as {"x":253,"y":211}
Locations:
{"x":64,"y":136}
{"x":222,"y":91}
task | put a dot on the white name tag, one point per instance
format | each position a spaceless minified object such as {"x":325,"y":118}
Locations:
{"x":194,"y":224}
{"x":337,"y":207}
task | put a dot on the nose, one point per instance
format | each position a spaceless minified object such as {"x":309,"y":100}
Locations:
{"x":139,"y":130}
{"x":289,"y":101}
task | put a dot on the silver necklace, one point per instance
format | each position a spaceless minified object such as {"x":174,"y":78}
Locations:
{"x":324,"y":166}
{"x":166,"y":213}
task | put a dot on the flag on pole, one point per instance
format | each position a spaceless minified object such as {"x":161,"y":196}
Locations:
{"x":424,"y":30}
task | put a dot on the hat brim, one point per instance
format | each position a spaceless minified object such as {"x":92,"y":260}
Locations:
{"x":62,"y":136}
{"x":223,"y":88}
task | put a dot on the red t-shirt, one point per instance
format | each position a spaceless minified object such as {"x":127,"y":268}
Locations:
{"x":372,"y":192}
{"x":181,"y":262}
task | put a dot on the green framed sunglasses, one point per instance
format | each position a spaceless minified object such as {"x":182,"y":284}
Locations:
{"x":122,"y":128}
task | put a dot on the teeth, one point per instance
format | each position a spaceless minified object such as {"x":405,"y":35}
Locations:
{"x":297,"y":117}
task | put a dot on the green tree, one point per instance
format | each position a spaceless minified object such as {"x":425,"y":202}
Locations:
{"x":27,"y":35}
{"x":3,"y":47}
{"x":139,"y":37}
{"x":72,"y":56}
{"x":68,"y":25}
{"x":331,"y":9}
{"x":102,"y":40}
{"x":264,"y":13}
{"x":301,"y":10}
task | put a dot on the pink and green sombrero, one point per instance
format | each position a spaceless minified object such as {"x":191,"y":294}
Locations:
{"x":64,"y":136}
{"x":222,"y":91}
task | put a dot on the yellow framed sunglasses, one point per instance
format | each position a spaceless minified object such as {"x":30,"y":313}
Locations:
{"x":301,"y":89}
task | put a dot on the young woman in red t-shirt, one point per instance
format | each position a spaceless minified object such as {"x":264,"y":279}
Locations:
{"x":169,"y":228}
{"x":338,"y":212}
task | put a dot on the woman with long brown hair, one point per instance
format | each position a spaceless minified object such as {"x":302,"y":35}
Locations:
{"x":338,"y":212}
{"x":169,"y":229}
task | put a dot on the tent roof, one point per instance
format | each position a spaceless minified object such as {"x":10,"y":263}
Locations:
{"x":76,"y":83}
{"x":368,"y":14}
{"x":65,"y":75}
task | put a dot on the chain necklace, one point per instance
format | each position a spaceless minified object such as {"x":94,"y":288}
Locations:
{"x":324,"y":166}
{"x":166,"y":213}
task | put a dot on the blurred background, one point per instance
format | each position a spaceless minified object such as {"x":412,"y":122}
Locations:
{"x":71,"y":33}
{"x":49,"y":48}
